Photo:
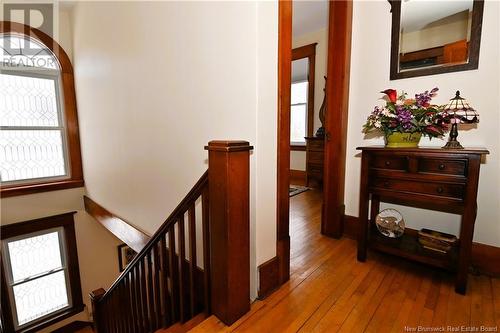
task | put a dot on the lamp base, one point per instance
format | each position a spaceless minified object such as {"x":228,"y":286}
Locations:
{"x":453,"y":145}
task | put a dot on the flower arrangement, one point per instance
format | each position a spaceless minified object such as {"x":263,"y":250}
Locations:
{"x":403,"y":115}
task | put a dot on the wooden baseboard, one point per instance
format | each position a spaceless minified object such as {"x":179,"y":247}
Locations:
{"x":73,"y":327}
{"x":298,"y":177}
{"x":484,"y":258}
{"x":268,"y":277}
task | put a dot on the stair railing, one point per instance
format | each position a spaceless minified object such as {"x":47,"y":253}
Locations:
{"x":164,"y":284}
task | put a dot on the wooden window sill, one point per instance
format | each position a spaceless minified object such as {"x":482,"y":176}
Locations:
{"x":35,"y":327}
{"x":298,"y":147}
{"x":15,"y":190}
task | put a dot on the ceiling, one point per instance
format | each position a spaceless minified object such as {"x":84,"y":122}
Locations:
{"x":417,"y":14}
{"x":309,"y":16}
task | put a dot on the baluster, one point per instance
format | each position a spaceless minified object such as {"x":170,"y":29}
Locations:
{"x":135,"y":303}
{"x":206,"y":248}
{"x":192,"y":259}
{"x":152,"y":317}
{"x":165,"y":295}
{"x":174,"y":274}
{"x":144,"y":296}
{"x":119,"y":305}
{"x":182,"y":272}
{"x":157,"y":292}
{"x":130,"y":305}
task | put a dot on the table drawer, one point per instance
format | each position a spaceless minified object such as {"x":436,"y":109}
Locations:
{"x":316,"y":145}
{"x":316,"y":157}
{"x":442,"y":166}
{"x":419,"y":187}
{"x":390,"y":162}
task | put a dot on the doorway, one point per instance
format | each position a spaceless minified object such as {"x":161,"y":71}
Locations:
{"x":335,"y":125}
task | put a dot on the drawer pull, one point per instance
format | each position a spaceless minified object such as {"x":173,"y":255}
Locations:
{"x":442,"y":166}
{"x":387,"y":163}
{"x":439,"y":190}
{"x":386,"y":184}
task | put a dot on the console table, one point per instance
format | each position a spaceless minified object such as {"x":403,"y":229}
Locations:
{"x":430,"y":178}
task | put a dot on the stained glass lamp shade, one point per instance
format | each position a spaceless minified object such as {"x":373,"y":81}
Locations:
{"x":458,"y":111}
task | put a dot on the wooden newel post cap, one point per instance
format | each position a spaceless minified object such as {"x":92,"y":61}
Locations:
{"x":228,"y":145}
{"x":97,"y":294}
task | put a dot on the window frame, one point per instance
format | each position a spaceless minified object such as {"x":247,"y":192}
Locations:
{"x":28,"y":229}
{"x":307,"y":51}
{"x":306,"y":129}
{"x":73,"y":161}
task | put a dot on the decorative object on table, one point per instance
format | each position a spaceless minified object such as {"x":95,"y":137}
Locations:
{"x":458,"y":111}
{"x":125,"y":256}
{"x":320,"y":133}
{"x":436,"y":241}
{"x":403,"y":121}
{"x":296,"y":189}
{"x":390,"y":223}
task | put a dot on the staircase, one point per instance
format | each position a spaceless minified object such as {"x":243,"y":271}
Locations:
{"x":165,"y":287}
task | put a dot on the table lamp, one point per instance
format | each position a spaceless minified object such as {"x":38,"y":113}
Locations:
{"x":458,"y":111}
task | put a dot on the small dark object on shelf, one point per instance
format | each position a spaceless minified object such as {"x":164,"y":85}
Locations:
{"x":436,"y":241}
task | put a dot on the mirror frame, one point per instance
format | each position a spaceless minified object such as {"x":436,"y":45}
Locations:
{"x":474,"y":44}
{"x":309,"y":52}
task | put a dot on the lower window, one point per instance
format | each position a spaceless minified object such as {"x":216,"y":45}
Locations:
{"x":39,"y":284}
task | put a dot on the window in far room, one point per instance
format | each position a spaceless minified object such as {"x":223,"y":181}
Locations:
{"x":298,"y":112}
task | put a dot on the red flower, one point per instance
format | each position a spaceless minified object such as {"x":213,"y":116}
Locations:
{"x":391,"y":94}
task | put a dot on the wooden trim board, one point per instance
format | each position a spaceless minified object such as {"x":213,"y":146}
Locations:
{"x":129,"y":234}
{"x":268,"y":277}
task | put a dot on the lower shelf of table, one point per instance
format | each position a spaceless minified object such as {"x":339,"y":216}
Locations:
{"x":407,"y":246}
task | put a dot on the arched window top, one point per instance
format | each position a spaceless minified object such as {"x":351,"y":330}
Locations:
{"x":39,"y":139}
{"x":23,"y":52}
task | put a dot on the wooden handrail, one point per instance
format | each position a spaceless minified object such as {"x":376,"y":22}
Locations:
{"x":163,"y":284}
{"x":195,"y":192}
{"x":129,"y":234}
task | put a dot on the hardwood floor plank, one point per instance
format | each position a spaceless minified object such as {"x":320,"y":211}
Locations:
{"x":330,"y":291}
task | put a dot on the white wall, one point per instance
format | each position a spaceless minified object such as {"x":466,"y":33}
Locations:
{"x":152,"y":94}
{"x":298,"y":158}
{"x":370,"y":74}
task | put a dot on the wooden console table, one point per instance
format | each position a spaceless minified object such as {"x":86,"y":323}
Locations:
{"x":430,"y":178}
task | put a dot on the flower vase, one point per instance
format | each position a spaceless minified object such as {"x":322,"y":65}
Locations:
{"x":402,"y":140}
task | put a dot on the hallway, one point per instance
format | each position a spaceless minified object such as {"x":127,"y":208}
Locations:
{"x":329,"y":291}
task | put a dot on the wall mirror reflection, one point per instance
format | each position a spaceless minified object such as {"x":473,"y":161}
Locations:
{"x":433,"y":37}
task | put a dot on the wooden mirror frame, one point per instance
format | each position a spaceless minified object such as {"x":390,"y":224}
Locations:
{"x":474,"y":43}
{"x":309,"y":52}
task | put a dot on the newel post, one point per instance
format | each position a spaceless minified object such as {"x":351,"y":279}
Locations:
{"x":229,"y":193}
{"x":95,"y":296}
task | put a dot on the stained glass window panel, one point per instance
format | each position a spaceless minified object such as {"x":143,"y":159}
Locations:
{"x":35,"y":255}
{"x":39,"y":297}
{"x":17,"y":51}
{"x":29,"y":154}
{"x":28,"y":101}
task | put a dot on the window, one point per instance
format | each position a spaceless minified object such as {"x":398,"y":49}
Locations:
{"x":39,"y":270}
{"x":298,"y":113}
{"x":39,"y":142}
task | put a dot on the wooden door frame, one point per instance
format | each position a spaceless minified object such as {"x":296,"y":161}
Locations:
{"x":337,"y":89}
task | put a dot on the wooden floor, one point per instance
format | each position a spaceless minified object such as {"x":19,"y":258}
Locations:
{"x":329,"y":291}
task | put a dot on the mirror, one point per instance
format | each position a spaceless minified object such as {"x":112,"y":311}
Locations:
{"x":434,"y":37}
{"x":302,"y":95}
